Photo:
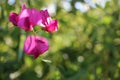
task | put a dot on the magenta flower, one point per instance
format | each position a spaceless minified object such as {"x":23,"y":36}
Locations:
{"x":29,"y":18}
{"x":47,"y":23}
{"x":24,"y":20}
{"x":35,"y":45}
{"x":21,"y":20}
{"x":51,"y":26}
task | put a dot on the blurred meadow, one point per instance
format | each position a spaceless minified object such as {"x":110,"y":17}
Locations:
{"x":86,"y":46}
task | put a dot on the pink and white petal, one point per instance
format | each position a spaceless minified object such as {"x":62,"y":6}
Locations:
{"x":51,"y":27}
{"x":44,"y":15}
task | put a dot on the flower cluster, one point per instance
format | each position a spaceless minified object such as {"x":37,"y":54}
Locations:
{"x":27,"y":20}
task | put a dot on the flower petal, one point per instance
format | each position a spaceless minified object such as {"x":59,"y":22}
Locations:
{"x":35,"y":17}
{"x":47,"y":23}
{"x":52,"y":26}
{"x":13,"y":18}
{"x":23,"y":20}
{"x":44,"y":15}
{"x":35,"y":45}
{"x":23,"y":7}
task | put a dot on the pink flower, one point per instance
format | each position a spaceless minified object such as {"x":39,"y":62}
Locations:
{"x":29,"y":18}
{"x":51,"y":26}
{"x":47,"y":23}
{"x":35,"y":45}
{"x":21,"y":20}
{"x":24,"y":20}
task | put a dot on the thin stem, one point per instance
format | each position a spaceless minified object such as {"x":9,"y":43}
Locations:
{"x":34,"y":32}
{"x":38,"y":30}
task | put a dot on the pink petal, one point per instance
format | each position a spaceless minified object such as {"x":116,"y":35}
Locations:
{"x":47,"y":23}
{"x":35,"y":45}
{"x":35,"y":17}
{"x":52,"y":26}
{"x":23,"y":20}
{"x":23,"y":7}
{"x":13,"y":18}
{"x":29,"y":45}
{"x":44,"y":16}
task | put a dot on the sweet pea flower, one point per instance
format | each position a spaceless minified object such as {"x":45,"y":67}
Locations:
{"x":21,"y":20}
{"x":47,"y":23}
{"x":35,"y":46}
{"x":29,"y":18}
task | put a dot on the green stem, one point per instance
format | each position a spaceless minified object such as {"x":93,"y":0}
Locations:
{"x":34,"y":32}
{"x":38,"y":30}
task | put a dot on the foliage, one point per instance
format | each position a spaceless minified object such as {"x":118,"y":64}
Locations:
{"x":86,"y":46}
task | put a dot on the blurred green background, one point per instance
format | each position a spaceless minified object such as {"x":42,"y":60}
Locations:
{"x":86,"y":46}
